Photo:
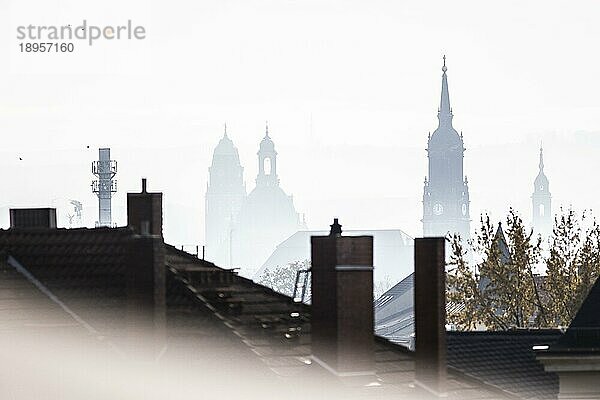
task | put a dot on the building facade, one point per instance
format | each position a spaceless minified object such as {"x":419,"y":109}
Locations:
{"x":541,"y":200}
{"x":446,"y":190}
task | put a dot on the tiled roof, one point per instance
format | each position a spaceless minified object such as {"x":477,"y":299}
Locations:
{"x":83,"y":267}
{"x":502,"y":359}
{"x":506,"y":360}
{"x":25,"y":309}
{"x":219,"y":310}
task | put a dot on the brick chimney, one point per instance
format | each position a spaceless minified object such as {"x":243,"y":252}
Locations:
{"x":146,"y":263}
{"x":342,"y":303}
{"x":144,"y":212}
{"x":430,"y":314}
{"x":32,"y":218}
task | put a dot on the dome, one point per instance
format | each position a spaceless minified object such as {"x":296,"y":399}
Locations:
{"x":541,"y":181}
{"x":226,"y":147}
{"x":226,"y":153}
{"x":267,"y":145}
{"x":445,"y":138}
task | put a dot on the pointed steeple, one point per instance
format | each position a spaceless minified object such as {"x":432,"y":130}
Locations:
{"x":266,"y":129}
{"x":541,"y":181}
{"x":445,"y":111}
{"x":225,"y":130}
{"x":542,"y":201}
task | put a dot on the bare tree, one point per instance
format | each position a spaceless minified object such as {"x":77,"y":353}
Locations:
{"x":283,"y":278}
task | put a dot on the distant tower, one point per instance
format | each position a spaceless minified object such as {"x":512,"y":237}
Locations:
{"x":225,"y":194}
{"x":267,"y":162}
{"x":446,"y":192}
{"x":542,"y":201}
{"x":267,"y":217}
{"x":105,"y":169}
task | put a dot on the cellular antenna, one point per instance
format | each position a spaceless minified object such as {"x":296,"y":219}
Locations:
{"x":105,"y":169}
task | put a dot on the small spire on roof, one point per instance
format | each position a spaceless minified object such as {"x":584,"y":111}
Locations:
{"x":225,"y":130}
{"x":541,"y":158}
{"x":444,"y":68}
{"x":266,"y":128}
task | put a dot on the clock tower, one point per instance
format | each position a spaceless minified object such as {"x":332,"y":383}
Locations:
{"x":446,"y":190}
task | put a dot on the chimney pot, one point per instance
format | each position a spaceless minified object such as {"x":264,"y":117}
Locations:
{"x":336,"y":228}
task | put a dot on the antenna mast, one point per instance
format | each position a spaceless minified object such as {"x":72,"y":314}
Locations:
{"x":105,"y":169}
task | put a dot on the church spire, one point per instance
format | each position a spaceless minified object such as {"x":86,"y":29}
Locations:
{"x":225,"y":130}
{"x":266,"y":128}
{"x":541,"y":159}
{"x":445,"y":111}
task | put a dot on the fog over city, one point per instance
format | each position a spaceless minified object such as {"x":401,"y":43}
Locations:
{"x":350,"y":91}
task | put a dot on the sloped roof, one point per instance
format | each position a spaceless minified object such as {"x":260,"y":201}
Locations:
{"x":504,"y":359}
{"x":219,"y":310}
{"x":583,"y":335}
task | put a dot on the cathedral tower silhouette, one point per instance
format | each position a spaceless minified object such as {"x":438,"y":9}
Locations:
{"x":446,"y":190}
{"x":225,"y":195}
{"x":542,"y":201}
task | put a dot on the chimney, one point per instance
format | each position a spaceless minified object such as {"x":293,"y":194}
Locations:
{"x":144,"y":212}
{"x":430,"y":314}
{"x":342,"y":303}
{"x":31,"y":218}
{"x":146,"y":264}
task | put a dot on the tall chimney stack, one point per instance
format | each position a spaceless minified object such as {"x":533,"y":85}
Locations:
{"x":430,"y":314}
{"x":342,"y":303}
{"x":146,"y":263}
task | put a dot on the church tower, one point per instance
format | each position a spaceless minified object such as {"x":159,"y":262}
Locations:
{"x":267,"y":162}
{"x":446,"y":191}
{"x":267,"y":217}
{"x":542,"y":202}
{"x":225,"y":195}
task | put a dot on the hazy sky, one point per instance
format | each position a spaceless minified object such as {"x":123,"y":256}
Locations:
{"x":350,"y":90}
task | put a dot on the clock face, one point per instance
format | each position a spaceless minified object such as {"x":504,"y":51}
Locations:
{"x":464,"y":209}
{"x":438,"y":209}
